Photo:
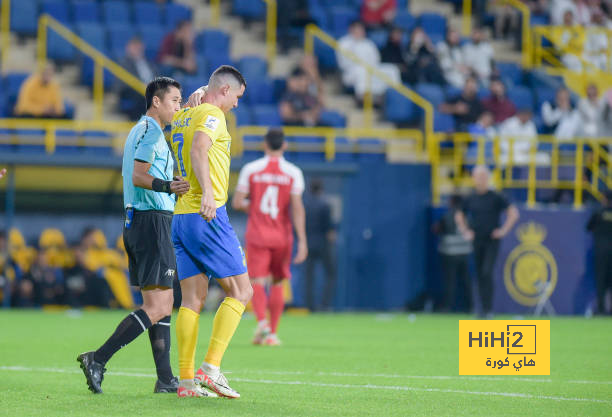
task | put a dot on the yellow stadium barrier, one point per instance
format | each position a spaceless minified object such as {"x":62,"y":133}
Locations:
{"x":5,"y":33}
{"x":571,"y":41}
{"x":101,"y":61}
{"x":271,"y":26}
{"x":313,"y":31}
{"x":578,"y":156}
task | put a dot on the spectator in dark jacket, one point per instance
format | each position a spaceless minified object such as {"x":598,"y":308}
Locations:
{"x":393,"y":53}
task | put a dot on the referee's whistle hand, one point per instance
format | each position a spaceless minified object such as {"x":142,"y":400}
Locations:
{"x":179,"y":186}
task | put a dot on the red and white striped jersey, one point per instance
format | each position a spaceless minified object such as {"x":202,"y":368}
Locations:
{"x":269,"y":182}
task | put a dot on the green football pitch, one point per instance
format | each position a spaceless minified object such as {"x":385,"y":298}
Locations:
{"x":328,"y":365}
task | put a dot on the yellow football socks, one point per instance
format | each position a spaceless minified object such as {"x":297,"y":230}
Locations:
{"x":187,"y":337}
{"x":224,"y":325}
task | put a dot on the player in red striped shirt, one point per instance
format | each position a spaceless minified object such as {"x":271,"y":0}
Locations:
{"x":270,"y":191}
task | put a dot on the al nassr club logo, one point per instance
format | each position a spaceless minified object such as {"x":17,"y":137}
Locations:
{"x":530,"y":270}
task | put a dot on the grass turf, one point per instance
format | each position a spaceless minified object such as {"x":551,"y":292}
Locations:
{"x":329,"y":365}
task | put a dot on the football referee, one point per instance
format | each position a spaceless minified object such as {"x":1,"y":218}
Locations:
{"x":148,"y":188}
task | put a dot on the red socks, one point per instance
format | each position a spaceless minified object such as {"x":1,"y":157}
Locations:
{"x":259,"y":301}
{"x":276,"y":305}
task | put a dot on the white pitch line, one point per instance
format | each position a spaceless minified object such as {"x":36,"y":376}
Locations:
{"x":348,"y":386}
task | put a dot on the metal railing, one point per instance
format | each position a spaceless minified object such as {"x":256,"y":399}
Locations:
{"x":5,"y":35}
{"x":545,"y":166}
{"x":271,"y":26}
{"x":313,"y":31}
{"x":117,"y":130}
{"x":328,"y":145}
{"x":101,"y":61}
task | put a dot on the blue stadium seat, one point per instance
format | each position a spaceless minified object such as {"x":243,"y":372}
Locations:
{"x":84,"y":11}
{"x":280,"y":86}
{"x":87,"y":74}
{"x":152,"y":37}
{"x":379,"y":37}
{"x":451,"y":91}
{"x":398,"y":109}
{"x":57,"y":9}
{"x":340,"y":19}
{"x":434,"y":25}
{"x":118,"y":36}
{"x":212,"y":42}
{"x":59,"y":48}
{"x":94,"y":34}
{"x":24,"y":17}
{"x":203,"y":69}
{"x":116,"y":12}
{"x":146,"y":13}
{"x":326,"y":56}
{"x":249,"y":9}
{"x":522,"y":97}
{"x":509,"y":71}
{"x":242,"y":114}
{"x":176,"y":13}
{"x":319,"y":15}
{"x":266,"y":116}
{"x":443,"y":122}
{"x":215,"y":61}
{"x":404,"y":20}
{"x":190,"y":84}
{"x":332,"y":118}
{"x":260,"y":91}
{"x":544,"y":94}
{"x":252,"y":67}
{"x":431,"y":92}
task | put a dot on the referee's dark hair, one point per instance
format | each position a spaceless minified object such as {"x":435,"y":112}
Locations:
{"x":274,"y":139}
{"x":159,"y":87}
{"x":223,"y":71}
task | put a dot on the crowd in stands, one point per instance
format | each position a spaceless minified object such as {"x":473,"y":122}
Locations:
{"x":88,"y":273}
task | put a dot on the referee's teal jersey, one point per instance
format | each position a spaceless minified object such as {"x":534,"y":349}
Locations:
{"x":146,"y":143}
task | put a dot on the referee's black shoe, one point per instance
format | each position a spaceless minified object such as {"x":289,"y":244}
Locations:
{"x":162,"y":387}
{"x":94,"y":371}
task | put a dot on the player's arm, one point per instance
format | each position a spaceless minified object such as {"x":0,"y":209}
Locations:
{"x":298,"y":217}
{"x":240,"y":201}
{"x":199,"y":159}
{"x":196,"y":98}
{"x":2,"y":172}
{"x":141,"y":178}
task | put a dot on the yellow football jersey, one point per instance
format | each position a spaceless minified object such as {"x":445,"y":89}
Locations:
{"x":209,"y":119}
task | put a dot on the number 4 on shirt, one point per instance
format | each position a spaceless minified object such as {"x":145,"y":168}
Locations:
{"x":269,"y":202}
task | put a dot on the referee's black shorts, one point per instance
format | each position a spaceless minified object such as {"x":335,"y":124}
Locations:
{"x":149,"y":247}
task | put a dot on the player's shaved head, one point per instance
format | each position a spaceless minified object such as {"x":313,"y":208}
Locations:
{"x":480,"y":175}
{"x":226,"y":75}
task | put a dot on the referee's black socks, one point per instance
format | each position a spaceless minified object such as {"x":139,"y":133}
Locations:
{"x":129,"y":329}
{"x":159,"y":335}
